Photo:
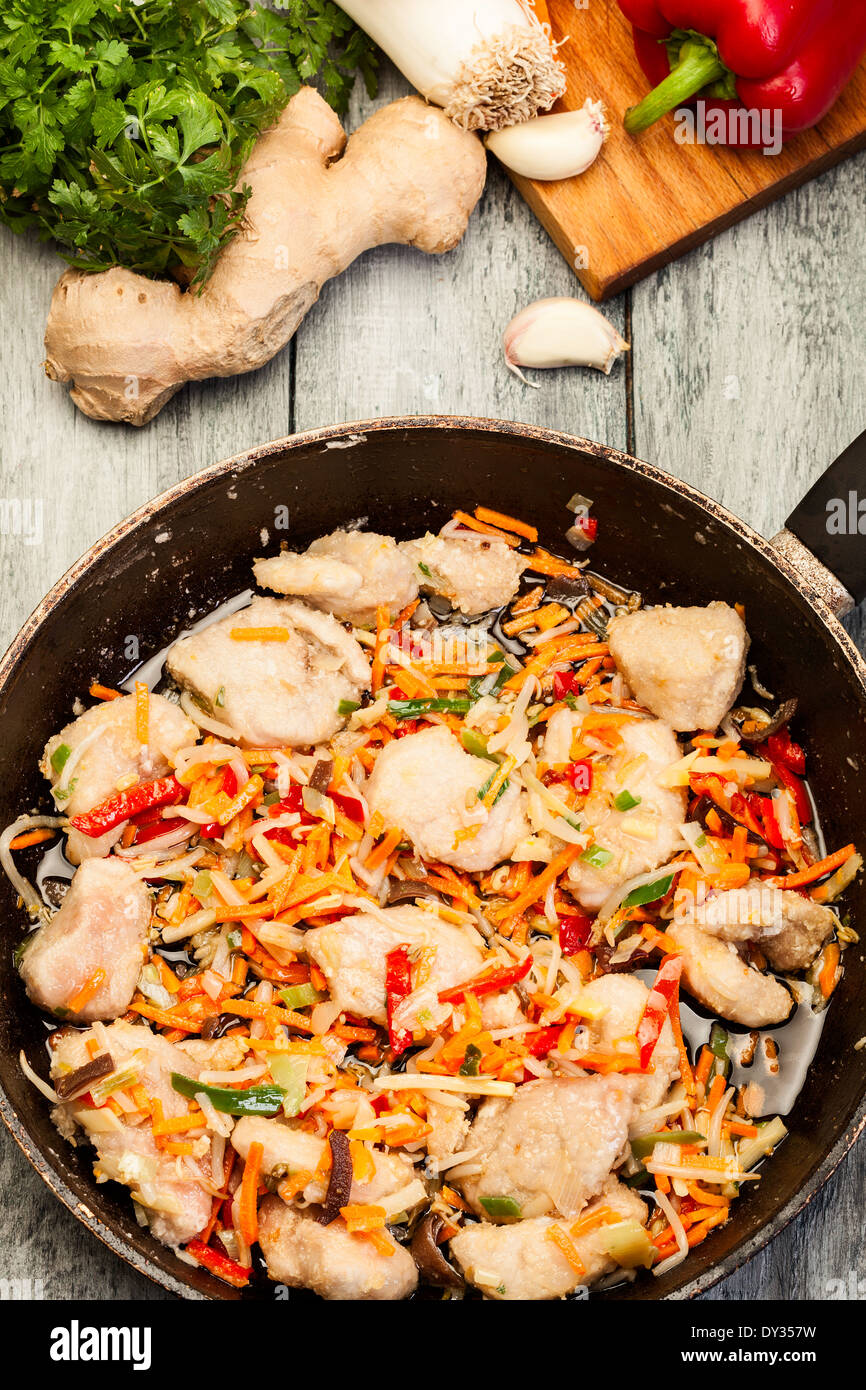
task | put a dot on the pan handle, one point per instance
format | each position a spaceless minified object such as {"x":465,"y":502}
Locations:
{"x":831,"y":520}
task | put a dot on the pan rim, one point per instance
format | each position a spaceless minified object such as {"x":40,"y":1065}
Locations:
{"x":240,"y":463}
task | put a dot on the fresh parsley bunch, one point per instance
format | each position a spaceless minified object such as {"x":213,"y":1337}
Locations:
{"x":124,"y":125}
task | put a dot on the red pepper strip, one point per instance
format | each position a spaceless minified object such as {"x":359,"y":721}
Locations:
{"x":797,"y":790}
{"x":398,"y":984}
{"x":789,"y":59}
{"x":165,"y":791}
{"x":782,"y":749}
{"x":563,"y":684}
{"x":349,"y":805}
{"x":544,"y":1041}
{"x":229,"y":782}
{"x":218,"y":1264}
{"x":163,"y":826}
{"x":662,"y":995}
{"x":487,"y":982}
{"x":574,"y":932}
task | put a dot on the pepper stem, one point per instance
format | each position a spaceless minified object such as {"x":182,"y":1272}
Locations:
{"x":699,"y":65}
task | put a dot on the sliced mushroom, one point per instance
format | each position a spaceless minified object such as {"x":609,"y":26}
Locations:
{"x":83,"y":1077}
{"x":432,"y":1264}
{"x":340,"y":1181}
{"x":767,"y":724}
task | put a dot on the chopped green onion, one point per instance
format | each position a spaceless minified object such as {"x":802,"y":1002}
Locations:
{"x":300,"y":996}
{"x":348,"y":706}
{"x":475,"y":743}
{"x":596,"y":856}
{"x":718,"y":1045}
{"x":234,"y":939}
{"x":270,"y":798}
{"x":425,"y":569}
{"x":202,"y":886}
{"x":500,"y":1206}
{"x":643,"y":1146}
{"x":471,"y":1059}
{"x":485,"y":787}
{"x":648,"y":892}
{"x":60,"y":757}
{"x":700,"y":841}
{"x":220,"y":698}
{"x":625,"y":801}
{"x":414,"y":709}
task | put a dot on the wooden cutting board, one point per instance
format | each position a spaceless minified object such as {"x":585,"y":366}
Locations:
{"x":647,"y":199}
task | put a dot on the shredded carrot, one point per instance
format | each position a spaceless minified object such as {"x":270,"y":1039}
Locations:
{"x":743,"y":1130}
{"x":289,"y":1188}
{"x":31,"y":837}
{"x":707,"y":1199}
{"x":469,"y":521}
{"x":507,"y":523}
{"x":499,"y":778}
{"x":247,"y":796}
{"x":814,"y":871}
{"x":382,"y":851}
{"x":381,"y":1241}
{"x":248,"y":1218}
{"x":539,"y":885}
{"x":87,"y":991}
{"x":717,"y":1090}
{"x":685,"y":1065}
{"x":377,"y":675}
{"x":829,"y":969}
{"x":104,"y":692}
{"x":704,"y":1067}
{"x":142,"y":712}
{"x":259,"y":634}
{"x":566,"y":1245}
{"x":363,"y":1216}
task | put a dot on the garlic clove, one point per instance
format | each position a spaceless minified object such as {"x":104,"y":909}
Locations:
{"x":561,"y":333}
{"x":552,"y":147}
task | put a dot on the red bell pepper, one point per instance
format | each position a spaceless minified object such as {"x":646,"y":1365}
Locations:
{"x":797,"y":790}
{"x":782,"y":749}
{"x":658,"y":1006}
{"x":574,"y":932}
{"x":488,"y":982}
{"x":165,"y":791}
{"x":788,"y":58}
{"x":220,"y":1265}
{"x":398,"y":985}
{"x":544,"y":1041}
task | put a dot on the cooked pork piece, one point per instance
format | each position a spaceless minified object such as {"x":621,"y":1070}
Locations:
{"x":273,"y":693}
{"x":427,"y":786}
{"x":520,"y":1263}
{"x":352,"y":954}
{"x":685,"y":664}
{"x":163,"y":1186}
{"x":474,"y":575}
{"x":286,"y":1146}
{"x":349,"y":573}
{"x":102,"y":924}
{"x":103,"y":748}
{"x":624,"y":998}
{"x":789,"y":929}
{"x":645,"y":835}
{"x":550,"y":1147}
{"x":328,"y":1259}
{"x":715,"y":973}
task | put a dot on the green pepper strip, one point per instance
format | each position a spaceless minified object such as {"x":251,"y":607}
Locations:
{"x":255,"y":1100}
{"x":643,"y":1146}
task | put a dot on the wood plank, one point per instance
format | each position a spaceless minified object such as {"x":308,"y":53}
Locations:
{"x":648,"y":200}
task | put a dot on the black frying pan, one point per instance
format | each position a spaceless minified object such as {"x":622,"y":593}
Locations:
{"x":192,"y":548}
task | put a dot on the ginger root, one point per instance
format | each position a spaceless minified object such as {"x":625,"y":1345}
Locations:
{"x":408,"y":175}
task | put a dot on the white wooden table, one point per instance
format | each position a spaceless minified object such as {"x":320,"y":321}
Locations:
{"x":746,"y":377}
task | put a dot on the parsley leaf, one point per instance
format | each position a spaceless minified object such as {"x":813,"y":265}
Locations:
{"x":124,"y":124}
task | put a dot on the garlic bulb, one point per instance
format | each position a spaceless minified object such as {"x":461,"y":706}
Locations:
{"x":488,"y":63}
{"x":561,"y":333}
{"x":552,"y":147}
